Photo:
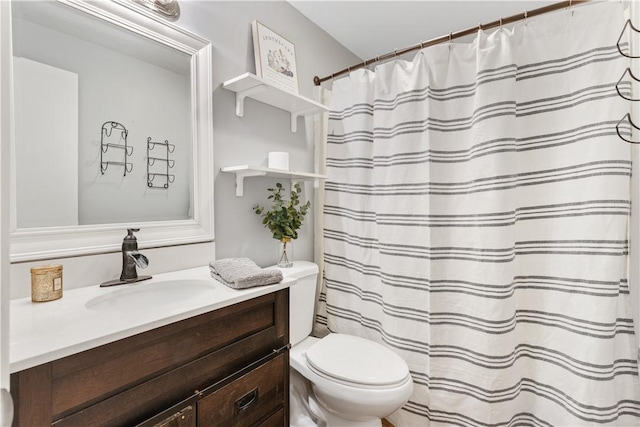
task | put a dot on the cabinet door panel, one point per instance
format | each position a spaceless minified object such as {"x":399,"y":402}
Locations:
{"x":248,"y":399}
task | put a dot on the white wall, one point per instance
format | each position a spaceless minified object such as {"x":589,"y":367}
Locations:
{"x":46,"y":109}
{"x":236,"y":141}
{"x":6,"y":409}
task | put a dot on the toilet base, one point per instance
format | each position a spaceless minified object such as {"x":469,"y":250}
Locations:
{"x":305,"y":411}
{"x":332,"y":420}
{"x":300,"y":414}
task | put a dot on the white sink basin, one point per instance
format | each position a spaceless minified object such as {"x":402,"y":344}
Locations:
{"x":147,"y":295}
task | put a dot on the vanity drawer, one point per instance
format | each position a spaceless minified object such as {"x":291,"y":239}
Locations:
{"x":257,"y":396}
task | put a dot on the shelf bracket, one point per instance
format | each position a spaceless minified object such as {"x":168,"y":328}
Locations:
{"x":295,"y":115}
{"x":241,"y":95}
{"x":240,"y":176}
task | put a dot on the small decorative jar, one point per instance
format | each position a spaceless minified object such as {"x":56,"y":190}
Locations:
{"x":46,"y":283}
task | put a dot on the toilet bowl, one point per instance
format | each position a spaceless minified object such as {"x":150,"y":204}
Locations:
{"x":339,"y":380}
{"x":368,"y":384}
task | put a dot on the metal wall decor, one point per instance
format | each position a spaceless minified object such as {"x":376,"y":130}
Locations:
{"x":158,"y":165}
{"x":117,"y":141}
{"x":625,"y":126}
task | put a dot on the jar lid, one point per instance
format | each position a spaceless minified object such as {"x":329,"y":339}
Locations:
{"x":45,"y":268}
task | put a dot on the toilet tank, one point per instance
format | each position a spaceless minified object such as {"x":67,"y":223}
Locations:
{"x":302,"y":299}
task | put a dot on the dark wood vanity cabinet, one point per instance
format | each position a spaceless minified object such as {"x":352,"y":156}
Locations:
{"x":228,"y":367}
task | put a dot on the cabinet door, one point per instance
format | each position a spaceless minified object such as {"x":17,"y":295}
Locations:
{"x":183,"y":418}
{"x":247,"y":400}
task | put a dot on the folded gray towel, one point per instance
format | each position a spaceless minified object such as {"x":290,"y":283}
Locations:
{"x":241,"y":273}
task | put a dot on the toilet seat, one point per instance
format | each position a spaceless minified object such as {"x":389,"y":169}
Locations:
{"x":357,"y":362}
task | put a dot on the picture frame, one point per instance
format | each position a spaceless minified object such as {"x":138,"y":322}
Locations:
{"x":275,"y":58}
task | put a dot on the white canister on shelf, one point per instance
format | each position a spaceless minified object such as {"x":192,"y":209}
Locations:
{"x":278,"y":160}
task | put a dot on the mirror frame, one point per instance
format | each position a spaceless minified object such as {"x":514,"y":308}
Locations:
{"x":31,"y":244}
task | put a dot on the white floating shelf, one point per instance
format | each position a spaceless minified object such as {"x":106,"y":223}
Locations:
{"x":249,"y":85}
{"x":245,"y":171}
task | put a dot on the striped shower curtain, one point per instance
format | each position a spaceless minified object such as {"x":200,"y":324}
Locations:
{"x":476,"y":219}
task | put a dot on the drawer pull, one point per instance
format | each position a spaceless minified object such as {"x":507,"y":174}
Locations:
{"x":245,"y":401}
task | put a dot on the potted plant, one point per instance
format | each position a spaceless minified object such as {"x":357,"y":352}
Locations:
{"x":284,"y":219}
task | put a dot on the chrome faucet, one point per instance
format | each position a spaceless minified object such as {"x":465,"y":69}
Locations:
{"x":131,"y":259}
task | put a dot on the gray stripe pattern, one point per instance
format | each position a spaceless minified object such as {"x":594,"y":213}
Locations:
{"x":497,"y":219}
{"x":571,"y":285}
{"x":485,"y":148}
{"x":475,"y":222}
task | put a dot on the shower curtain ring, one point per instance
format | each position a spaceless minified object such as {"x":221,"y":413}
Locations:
{"x":501,"y":22}
{"x":395,"y":52}
{"x":525,"y":17}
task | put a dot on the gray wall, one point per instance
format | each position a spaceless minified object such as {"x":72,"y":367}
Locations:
{"x":247,"y":140}
{"x":236,"y":141}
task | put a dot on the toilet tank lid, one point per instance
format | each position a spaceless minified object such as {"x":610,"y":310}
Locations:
{"x":299,"y":269}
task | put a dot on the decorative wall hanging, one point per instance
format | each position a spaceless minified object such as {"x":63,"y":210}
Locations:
{"x":275,"y":58}
{"x":119,"y":142}
{"x":626,"y":128}
{"x":162,"y":162}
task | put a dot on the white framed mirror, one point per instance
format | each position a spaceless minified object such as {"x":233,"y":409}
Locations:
{"x":111,"y":129}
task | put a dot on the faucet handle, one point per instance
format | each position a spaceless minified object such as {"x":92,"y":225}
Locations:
{"x":130,"y":238}
{"x":130,"y":232}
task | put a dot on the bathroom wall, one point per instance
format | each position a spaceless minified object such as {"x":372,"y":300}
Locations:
{"x":263,"y":128}
{"x":247,"y":140}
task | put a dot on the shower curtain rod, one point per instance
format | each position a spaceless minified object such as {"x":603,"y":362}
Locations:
{"x":514,"y":18}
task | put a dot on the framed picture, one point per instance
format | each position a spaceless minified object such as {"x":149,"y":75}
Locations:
{"x":275,"y":58}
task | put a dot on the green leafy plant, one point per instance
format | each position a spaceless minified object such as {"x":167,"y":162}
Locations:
{"x":285,"y":217}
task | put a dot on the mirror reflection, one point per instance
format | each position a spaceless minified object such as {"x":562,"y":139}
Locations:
{"x":74,"y":75}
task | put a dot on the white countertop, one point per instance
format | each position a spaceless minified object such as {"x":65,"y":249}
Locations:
{"x":46,"y":331}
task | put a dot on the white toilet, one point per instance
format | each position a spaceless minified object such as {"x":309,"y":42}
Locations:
{"x":339,"y":380}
